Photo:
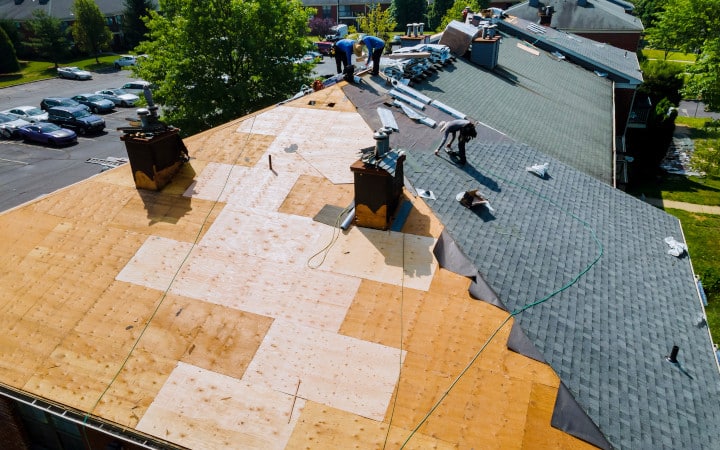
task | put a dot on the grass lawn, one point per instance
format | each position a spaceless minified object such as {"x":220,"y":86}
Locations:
{"x":701,"y":234}
{"x":651,"y":53}
{"x":41,"y":70}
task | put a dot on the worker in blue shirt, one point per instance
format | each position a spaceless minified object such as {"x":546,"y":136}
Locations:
{"x":375,"y":47}
{"x":343,"y":53}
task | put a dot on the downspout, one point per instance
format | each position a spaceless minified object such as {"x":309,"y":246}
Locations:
{"x":113,"y":430}
{"x":614,"y":138}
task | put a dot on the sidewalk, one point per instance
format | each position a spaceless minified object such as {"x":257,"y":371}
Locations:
{"x":704,"y":209}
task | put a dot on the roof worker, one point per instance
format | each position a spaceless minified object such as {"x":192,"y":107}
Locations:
{"x":375,"y":47}
{"x":343,"y":50}
{"x":467,"y":132}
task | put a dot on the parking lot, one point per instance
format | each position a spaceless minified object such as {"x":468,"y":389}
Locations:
{"x":29,"y":170}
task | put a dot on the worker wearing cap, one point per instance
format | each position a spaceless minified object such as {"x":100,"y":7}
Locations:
{"x":343,"y":53}
{"x":375,"y":47}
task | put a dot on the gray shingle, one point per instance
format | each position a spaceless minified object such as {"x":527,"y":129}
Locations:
{"x":606,"y":335}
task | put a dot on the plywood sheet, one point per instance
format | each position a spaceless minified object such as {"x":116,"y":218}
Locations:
{"x":22,"y":230}
{"x":282,"y":238}
{"x":227,"y":145}
{"x":310,"y":194}
{"x":330,"y":99}
{"x":310,"y":297}
{"x":306,"y":131}
{"x":323,"y":427}
{"x":200,"y":409}
{"x":385,"y":256}
{"x":156,"y":263}
{"x":421,"y":221}
{"x":89,"y":200}
{"x":338,"y":371}
{"x":243,"y":187}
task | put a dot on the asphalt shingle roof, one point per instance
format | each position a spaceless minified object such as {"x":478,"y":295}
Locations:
{"x":598,"y":15}
{"x":616,"y":300}
{"x":529,"y":97}
{"x":620,"y":65}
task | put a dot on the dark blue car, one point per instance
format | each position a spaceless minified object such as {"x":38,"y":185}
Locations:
{"x":47,"y":133}
{"x":77,"y":118}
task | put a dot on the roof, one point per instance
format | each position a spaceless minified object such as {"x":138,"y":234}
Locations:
{"x":528,"y":97}
{"x":227,"y":308}
{"x":597,"y":16}
{"x":61,"y":9}
{"x":617,"y":64}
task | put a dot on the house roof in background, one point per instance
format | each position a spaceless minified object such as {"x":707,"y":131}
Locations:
{"x":531,"y":96}
{"x":619,"y":65}
{"x":600,"y":16}
{"x":61,"y":9}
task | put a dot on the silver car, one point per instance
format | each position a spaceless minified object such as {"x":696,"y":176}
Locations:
{"x":29,"y":113}
{"x":119,"y":97}
{"x":73,"y":73}
{"x":9,"y":125}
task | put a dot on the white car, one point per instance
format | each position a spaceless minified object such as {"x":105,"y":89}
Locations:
{"x":125,"y":60}
{"x":9,"y":125}
{"x":74,"y":73}
{"x":136,"y":87}
{"x":119,"y":97}
{"x":28,"y":113}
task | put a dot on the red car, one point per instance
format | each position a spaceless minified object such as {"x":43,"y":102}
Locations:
{"x":324,"y":48}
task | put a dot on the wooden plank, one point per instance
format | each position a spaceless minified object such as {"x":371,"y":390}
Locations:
{"x":204,"y":410}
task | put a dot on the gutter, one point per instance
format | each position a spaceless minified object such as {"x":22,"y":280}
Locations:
{"x":116,"y":431}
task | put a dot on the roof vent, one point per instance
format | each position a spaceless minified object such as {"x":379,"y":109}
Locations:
{"x":673,"y":354}
{"x":582,"y":2}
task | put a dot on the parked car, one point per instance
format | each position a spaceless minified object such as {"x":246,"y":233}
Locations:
{"x":29,"y":113}
{"x":49,"y":102}
{"x":77,"y":118}
{"x":119,"y":97}
{"x":9,"y":125}
{"x":74,"y":73}
{"x":124,"y":60}
{"x":47,"y":133}
{"x":136,"y":87}
{"x":96,"y":103}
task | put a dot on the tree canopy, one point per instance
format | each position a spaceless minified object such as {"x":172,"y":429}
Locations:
{"x":90,"y":32}
{"x":455,"y":11}
{"x":217,"y":60}
{"x":693,"y":26}
{"x":49,"y":39}
{"x":8,"y":59}
{"x":408,"y":11}
{"x":133,"y":25}
{"x":377,"y":22}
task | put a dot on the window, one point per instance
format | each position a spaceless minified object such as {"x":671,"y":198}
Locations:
{"x":326,"y":11}
{"x":345,"y":11}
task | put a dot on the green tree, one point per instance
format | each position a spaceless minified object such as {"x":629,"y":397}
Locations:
{"x":437,"y":11}
{"x":133,"y":21}
{"x":648,"y":10}
{"x":217,"y":60}
{"x":703,"y":80}
{"x":455,"y":12}
{"x":662,"y":79}
{"x":12,"y":31}
{"x":687,"y":23}
{"x":8,"y":59}
{"x":90,"y":32}
{"x":377,"y":22}
{"x":408,"y":11}
{"x":49,"y":39}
